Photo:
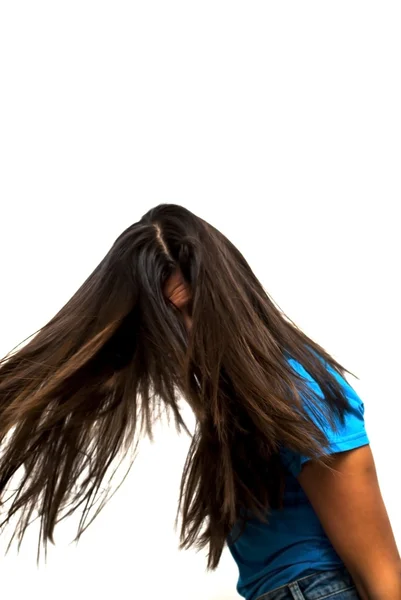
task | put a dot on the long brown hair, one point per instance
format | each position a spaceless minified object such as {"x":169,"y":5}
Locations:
{"x":75,"y":397}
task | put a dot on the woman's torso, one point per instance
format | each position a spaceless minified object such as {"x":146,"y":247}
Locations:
{"x":292,"y":545}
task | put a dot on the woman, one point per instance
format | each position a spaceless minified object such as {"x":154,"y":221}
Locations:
{"x":279,"y":467}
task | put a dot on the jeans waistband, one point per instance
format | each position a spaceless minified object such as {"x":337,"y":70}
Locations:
{"x":317,"y":586}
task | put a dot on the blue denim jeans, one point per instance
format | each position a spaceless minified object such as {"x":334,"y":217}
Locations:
{"x":333,"y":585}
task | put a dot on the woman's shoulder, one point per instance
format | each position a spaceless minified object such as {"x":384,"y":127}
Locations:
{"x":347,"y":433}
{"x":354,"y":400}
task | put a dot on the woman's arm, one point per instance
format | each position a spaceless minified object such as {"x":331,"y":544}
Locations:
{"x":350,"y":507}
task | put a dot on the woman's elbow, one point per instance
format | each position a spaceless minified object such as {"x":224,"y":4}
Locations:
{"x":382,"y":583}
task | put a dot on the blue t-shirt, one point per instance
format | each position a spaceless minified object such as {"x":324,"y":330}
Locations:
{"x":293,"y":543}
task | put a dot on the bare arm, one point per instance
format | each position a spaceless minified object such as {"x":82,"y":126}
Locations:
{"x":351,"y":510}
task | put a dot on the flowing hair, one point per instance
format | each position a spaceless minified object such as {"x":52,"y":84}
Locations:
{"x":78,"y":395}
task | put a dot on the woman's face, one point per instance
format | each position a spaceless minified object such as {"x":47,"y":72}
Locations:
{"x":177,"y":291}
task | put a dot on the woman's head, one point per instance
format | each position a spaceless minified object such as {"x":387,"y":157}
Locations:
{"x":172,"y":310}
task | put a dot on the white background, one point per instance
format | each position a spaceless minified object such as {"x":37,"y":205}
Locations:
{"x":278,"y":122}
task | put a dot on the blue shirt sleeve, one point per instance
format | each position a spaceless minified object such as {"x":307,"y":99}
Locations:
{"x":350,"y":435}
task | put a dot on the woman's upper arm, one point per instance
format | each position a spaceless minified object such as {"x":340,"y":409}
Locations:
{"x":347,"y":499}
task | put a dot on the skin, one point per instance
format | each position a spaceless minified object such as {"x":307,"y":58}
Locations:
{"x":351,"y":510}
{"x":348,"y":502}
{"x":177,"y":291}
